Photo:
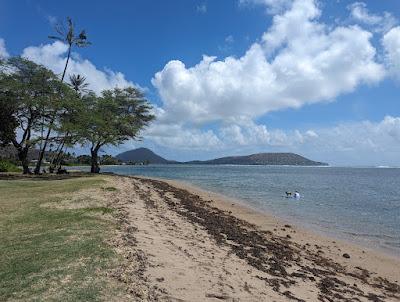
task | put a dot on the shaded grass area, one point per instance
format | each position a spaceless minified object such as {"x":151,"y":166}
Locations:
{"x":54,"y":253}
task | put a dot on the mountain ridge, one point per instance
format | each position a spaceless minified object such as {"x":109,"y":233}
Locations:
{"x":143,"y":155}
{"x":278,"y":158}
{"x":273,"y":158}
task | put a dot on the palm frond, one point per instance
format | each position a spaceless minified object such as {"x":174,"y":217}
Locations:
{"x":55,"y":38}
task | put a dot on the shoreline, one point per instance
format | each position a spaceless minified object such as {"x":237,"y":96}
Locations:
{"x":199,"y":246}
{"x":233,"y":204}
{"x":268,"y":222}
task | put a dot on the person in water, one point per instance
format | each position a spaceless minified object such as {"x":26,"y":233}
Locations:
{"x":296,"y":195}
{"x":288,"y":194}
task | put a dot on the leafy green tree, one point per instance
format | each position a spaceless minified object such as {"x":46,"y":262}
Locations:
{"x":115,"y":117}
{"x":8,"y":124}
{"x":36,"y":95}
{"x":109,"y":160}
{"x":83,"y":159}
{"x":66,"y":131}
{"x":65,"y":128}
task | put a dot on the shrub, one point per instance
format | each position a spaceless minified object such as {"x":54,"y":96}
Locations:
{"x":6,"y":166}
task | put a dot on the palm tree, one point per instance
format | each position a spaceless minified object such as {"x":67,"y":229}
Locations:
{"x":78,"y":83}
{"x":67,"y":35}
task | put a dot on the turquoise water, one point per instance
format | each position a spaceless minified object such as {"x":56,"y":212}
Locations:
{"x":359,"y":204}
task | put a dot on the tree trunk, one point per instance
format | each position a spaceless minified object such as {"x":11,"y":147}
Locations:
{"x":42,"y":151}
{"x":41,"y":154}
{"x":23,"y":157}
{"x":66,"y":63}
{"x":56,"y":157}
{"x":95,"y":168}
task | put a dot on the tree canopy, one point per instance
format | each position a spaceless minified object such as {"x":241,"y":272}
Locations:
{"x":39,"y":110}
{"x":114,"y":117}
{"x":30,"y":96}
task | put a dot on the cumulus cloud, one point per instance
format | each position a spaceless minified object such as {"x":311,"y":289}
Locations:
{"x":3,"y":50}
{"x":353,"y":142}
{"x":359,"y":143}
{"x":257,"y":135}
{"x":183,"y":138}
{"x":381,"y":23}
{"x":276,"y":73}
{"x":53,"y":56}
{"x":391,"y":44}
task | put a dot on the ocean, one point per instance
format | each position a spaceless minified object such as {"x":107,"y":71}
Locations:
{"x":361,"y":205}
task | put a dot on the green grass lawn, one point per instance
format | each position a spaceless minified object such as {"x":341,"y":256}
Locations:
{"x":54,"y":253}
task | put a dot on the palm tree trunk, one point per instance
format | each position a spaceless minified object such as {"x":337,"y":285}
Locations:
{"x":59,"y":151}
{"x":55,"y":156}
{"x":66,"y":63}
{"x":42,"y":151}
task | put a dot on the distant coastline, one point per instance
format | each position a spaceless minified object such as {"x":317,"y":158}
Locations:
{"x":144,"y":155}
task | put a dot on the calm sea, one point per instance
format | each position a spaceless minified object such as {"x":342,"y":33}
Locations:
{"x":357,"y":204}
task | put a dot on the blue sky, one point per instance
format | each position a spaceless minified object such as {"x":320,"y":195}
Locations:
{"x":329,"y":91}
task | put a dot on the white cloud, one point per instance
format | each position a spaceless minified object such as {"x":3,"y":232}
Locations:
{"x":346,"y":143}
{"x":359,"y":143}
{"x":360,"y":12}
{"x":202,"y":8}
{"x":381,"y":23}
{"x":247,"y":133}
{"x":391,"y":44}
{"x":3,"y":50}
{"x":275,"y":74}
{"x":174,"y":135}
{"x":390,"y":126}
{"x":53,"y":56}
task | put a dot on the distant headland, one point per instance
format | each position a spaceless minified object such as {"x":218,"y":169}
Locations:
{"x":144,"y":155}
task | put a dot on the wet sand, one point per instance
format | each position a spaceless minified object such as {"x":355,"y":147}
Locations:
{"x":181,"y":243}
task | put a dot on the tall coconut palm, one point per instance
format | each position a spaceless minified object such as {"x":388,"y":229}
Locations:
{"x":68,"y":36}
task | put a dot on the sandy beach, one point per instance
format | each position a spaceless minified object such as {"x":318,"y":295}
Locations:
{"x":181,"y":243}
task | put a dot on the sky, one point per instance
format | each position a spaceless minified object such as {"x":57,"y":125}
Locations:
{"x":315,"y":77}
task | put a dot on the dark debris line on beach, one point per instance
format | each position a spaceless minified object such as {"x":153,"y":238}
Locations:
{"x":273,"y":254}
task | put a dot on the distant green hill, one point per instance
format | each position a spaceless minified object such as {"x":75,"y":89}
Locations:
{"x":291,"y":159}
{"x":143,"y":155}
